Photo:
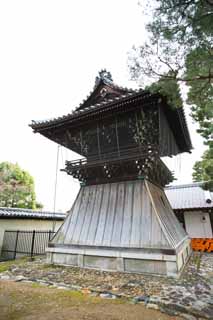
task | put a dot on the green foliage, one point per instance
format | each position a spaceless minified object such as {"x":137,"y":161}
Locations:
{"x":200,"y":96}
{"x":180,"y":48}
{"x":170,"y":90}
{"x":16,"y":187}
{"x":198,"y":172}
{"x":197,"y":260}
{"x":185,"y":22}
{"x":203,"y":170}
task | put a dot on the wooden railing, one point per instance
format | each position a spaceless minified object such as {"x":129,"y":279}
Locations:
{"x":125,"y":154}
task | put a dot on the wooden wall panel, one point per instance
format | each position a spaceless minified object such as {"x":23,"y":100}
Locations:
{"x":101,"y":223}
{"x":111,"y":215}
{"x":127,"y":217}
{"x":95,"y":215}
{"x":122,"y":214}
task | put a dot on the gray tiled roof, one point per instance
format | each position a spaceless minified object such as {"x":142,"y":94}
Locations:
{"x":27,"y":213}
{"x":189,"y":196}
{"x":78,"y":111}
{"x":104,"y":77}
{"x":96,"y":105}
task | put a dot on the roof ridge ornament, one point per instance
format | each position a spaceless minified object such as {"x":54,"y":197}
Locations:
{"x":103,"y":75}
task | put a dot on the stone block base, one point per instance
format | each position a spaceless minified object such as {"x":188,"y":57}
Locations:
{"x":152,"y":261}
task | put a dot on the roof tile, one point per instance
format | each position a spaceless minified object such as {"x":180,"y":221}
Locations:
{"x":189,"y":196}
{"x":27,"y":213}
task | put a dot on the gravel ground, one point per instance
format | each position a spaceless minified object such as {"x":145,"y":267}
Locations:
{"x":27,"y":301}
{"x":190,"y":296}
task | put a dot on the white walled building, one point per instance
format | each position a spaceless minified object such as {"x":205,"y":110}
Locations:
{"x":193,"y":207}
{"x":27,"y":220}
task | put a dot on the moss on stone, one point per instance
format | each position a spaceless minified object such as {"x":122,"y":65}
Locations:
{"x":5,"y":265}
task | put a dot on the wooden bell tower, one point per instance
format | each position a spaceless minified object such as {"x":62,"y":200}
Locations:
{"x":121,"y":219}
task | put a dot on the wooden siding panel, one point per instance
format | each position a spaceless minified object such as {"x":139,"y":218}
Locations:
{"x":136,"y":221}
{"x":155,"y":230}
{"x":111,"y":215}
{"x":103,"y":215}
{"x":172,"y":228}
{"x":88,"y":215}
{"x":163,"y":216}
{"x":79,"y":219}
{"x":73,"y":216}
{"x":178,"y":226}
{"x":168,"y":145}
{"x":127,"y":217}
{"x":123,"y":214}
{"x":118,"y":221}
{"x":146,"y":219}
{"x":61,"y":234}
{"x":95,"y":215}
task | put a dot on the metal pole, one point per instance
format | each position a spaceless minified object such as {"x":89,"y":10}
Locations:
{"x":55,"y":192}
{"x":32,"y":244}
{"x":16,"y":244}
{"x":49,"y":235}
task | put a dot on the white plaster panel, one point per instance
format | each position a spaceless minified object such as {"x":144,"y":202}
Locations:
{"x":198,"y":224}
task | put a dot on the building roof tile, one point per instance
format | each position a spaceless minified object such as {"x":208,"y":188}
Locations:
{"x":189,"y":196}
{"x":32,"y":214}
{"x":115,"y":98}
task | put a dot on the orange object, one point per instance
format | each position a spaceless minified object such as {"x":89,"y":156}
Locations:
{"x":202,"y":244}
{"x":210,"y":249}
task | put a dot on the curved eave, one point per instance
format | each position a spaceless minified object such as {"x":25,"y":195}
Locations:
{"x":176,"y":116}
{"x":91,"y":111}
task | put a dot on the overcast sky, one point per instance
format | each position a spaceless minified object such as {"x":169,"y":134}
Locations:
{"x":50,"y":54}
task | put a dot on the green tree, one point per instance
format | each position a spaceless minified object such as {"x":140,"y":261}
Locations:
{"x":180,"y":48}
{"x":198,"y":172}
{"x":16,"y":187}
{"x":203,"y":170}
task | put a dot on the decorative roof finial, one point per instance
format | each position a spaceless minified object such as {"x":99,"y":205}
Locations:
{"x":103,"y":75}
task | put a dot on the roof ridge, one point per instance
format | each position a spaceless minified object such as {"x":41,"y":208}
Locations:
{"x":103,"y":76}
{"x":29,"y":210}
{"x":187,"y":185}
{"x":106,"y":77}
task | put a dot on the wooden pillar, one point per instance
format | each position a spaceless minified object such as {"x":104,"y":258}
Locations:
{"x":98,"y":138}
{"x":81,"y":138}
{"x":117,"y":138}
{"x":138,"y":132}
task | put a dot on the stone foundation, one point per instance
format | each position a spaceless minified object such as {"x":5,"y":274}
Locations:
{"x":126,"y":226}
{"x":160,"y":262}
